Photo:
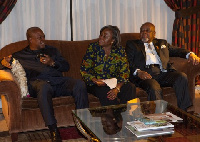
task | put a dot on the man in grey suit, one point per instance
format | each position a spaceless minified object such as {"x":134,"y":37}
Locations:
{"x":150,"y":67}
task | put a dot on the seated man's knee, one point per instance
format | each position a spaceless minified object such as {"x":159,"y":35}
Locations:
{"x":133,"y":88}
{"x":44,"y":89}
{"x":130,"y":85}
{"x":154,"y":86}
{"x":80,"y":84}
{"x":183,"y":76}
{"x":180,"y":78}
{"x":154,"y":90}
{"x":133,"y":91}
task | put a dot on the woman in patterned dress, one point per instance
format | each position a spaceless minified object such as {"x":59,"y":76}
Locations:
{"x":106,"y":59}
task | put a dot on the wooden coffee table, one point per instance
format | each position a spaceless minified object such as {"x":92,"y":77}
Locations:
{"x":95,"y":125}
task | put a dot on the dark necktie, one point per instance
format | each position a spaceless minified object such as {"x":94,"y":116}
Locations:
{"x":149,"y":46}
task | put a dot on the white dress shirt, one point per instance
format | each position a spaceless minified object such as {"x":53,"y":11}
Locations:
{"x":151,"y":54}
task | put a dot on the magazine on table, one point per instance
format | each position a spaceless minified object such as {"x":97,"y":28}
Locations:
{"x":167,"y":116}
{"x":155,"y":121}
{"x":141,"y":125}
{"x":148,"y":133}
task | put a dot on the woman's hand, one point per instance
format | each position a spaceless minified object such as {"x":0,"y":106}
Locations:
{"x":99,"y":82}
{"x":112,"y":94}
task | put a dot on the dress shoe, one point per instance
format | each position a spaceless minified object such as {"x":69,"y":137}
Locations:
{"x":55,"y":135}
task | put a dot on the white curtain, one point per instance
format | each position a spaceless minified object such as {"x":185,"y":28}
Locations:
{"x":52,"y":16}
{"x":89,"y":16}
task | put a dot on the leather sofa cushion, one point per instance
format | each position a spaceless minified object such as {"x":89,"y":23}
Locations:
{"x":31,"y":103}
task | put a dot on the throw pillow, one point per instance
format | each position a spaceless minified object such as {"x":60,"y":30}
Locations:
{"x":20,"y":74}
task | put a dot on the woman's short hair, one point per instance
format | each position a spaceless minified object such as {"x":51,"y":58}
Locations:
{"x":115,"y":34}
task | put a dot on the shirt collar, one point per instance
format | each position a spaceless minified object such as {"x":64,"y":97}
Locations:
{"x":151,"y":43}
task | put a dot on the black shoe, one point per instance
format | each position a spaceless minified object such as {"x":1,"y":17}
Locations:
{"x":55,"y":135}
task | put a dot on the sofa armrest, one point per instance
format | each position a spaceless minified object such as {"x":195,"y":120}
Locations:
{"x":10,"y":88}
{"x":192,"y":71}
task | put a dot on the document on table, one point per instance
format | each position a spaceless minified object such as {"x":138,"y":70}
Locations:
{"x":164,"y":116}
{"x":112,"y":83}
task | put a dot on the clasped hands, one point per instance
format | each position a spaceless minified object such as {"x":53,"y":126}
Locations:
{"x":47,"y":60}
{"x":112,"y":94}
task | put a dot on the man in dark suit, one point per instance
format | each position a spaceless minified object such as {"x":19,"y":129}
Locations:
{"x":150,"y":67}
{"x":44,"y":65}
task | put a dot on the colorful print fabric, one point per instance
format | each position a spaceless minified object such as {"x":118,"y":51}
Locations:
{"x":96,"y":64}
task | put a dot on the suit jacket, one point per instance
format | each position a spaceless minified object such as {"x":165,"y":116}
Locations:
{"x":136,"y":54}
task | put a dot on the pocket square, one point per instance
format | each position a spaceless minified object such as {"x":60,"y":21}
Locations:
{"x":163,"y":46}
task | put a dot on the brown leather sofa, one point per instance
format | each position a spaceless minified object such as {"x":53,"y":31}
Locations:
{"x":23,"y":114}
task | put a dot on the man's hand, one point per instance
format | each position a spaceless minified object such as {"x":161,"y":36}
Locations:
{"x":99,"y":82}
{"x":194,"y":59}
{"x":6,"y":61}
{"x":143,"y":75}
{"x":46,"y":59}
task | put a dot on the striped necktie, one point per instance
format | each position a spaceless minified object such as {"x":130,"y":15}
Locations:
{"x":151,"y":49}
{"x":149,"y":46}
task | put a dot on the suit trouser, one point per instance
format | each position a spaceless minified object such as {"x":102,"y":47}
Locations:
{"x":127,"y":92}
{"x":45,"y":92}
{"x":177,"y":80}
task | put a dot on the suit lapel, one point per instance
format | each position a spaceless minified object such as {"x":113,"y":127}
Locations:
{"x":142,"y":47}
{"x":156,"y":45}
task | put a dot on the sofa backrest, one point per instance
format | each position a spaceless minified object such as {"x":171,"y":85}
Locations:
{"x":73,"y":51}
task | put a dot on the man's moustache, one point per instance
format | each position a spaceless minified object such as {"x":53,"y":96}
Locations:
{"x":145,"y":39}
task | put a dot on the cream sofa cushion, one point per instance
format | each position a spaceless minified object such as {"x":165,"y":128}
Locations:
{"x":20,"y":74}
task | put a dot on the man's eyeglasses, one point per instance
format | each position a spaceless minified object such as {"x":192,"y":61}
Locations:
{"x":148,"y":31}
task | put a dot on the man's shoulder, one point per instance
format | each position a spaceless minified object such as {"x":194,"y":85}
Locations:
{"x":21,"y":51}
{"x":49,"y":46}
{"x":134,"y":41}
{"x":161,"y":41}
